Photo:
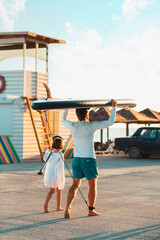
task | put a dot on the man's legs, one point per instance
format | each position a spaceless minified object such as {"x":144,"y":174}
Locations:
{"x":71,"y":195}
{"x":92,"y":194}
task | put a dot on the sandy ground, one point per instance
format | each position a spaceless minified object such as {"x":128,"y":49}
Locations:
{"x":128,"y":200}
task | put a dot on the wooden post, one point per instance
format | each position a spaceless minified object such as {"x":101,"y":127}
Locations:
{"x":127,"y":129}
{"x":24,"y":68}
{"x":101,"y":139}
{"x":24,"y":56}
{"x":47,"y":60}
{"x":36,"y":57}
{"x":107,"y":134}
{"x":34,"y":127}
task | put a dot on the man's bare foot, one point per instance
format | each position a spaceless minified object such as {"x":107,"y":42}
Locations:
{"x":67,"y":214}
{"x":60,"y":209}
{"x":93,"y":213}
{"x":46,"y":208}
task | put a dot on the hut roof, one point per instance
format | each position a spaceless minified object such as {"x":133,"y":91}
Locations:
{"x":102,"y":114}
{"x":133,"y":116}
{"x":120,"y":118}
{"x":12,"y":44}
{"x":151,"y":113}
{"x":125,"y":115}
{"x":29,"y":36}
{"x":99,"y":114}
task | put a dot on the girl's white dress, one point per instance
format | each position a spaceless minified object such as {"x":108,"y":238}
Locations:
{"x":54,"y":175}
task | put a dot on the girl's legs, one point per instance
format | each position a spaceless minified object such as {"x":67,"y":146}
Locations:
{"x":49,"y":195}
{"x":71,"y":195}
{"x":59,"y":197}
{"x":92,"y":194}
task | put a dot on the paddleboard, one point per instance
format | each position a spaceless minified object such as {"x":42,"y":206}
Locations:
{"x":51,"y":104}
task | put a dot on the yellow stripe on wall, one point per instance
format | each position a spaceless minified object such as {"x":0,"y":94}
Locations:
{"x":5,"y":156}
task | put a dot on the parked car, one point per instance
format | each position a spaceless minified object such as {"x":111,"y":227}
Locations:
{"x":144,"y":142}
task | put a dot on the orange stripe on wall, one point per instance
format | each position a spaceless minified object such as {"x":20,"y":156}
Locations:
{"x":70,"y":153}
{"x":66,"y":145}
{"x":69,"y":149}
{"x":9,"y":150}
{"x":69,"y":146}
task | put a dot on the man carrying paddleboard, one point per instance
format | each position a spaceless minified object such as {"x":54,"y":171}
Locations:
{"x":84,"y":162}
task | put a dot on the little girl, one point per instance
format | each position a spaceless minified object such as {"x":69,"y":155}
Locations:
{"x":54,"y":176}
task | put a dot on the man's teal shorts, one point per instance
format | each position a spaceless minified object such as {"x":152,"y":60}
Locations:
{"x":84,"y":167}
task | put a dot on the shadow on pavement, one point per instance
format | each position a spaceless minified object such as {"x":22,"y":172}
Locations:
{"x":38,"y":224}
{"x":120,"y":235}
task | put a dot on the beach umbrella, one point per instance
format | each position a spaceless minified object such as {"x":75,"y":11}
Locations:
{"x":151,"y":113}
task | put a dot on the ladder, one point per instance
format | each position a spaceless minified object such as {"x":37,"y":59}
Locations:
{"x":46,"y":135}
{"x":44,"y":127}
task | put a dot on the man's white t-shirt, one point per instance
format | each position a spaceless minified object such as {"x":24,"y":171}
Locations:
{"x":83,"y":134}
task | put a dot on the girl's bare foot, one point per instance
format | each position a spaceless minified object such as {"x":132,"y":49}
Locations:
{"x":46,"y":208}
{"x":93,"y":213}
{"x":60,"y":209}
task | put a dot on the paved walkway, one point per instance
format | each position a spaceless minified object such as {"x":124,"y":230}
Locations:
{"x":128,"y":198}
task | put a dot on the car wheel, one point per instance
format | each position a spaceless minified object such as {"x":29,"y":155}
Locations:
{"x":134,"y":152}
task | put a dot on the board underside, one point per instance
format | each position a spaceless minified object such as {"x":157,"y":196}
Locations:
{"x":51,"y":104}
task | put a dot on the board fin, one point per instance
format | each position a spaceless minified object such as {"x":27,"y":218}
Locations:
{"x":49,"y":95}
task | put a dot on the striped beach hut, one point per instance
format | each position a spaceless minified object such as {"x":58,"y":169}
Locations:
{"x":21,"y":137}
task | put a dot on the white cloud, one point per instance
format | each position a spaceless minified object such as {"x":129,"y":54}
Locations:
{"x":109,"y":4}
{"x":9,"y":10}
{"x":69,"y":27}
{"x":114,"y":17}
{"x":88,"y":69}
{"x":131,"y":8}
{"x":88,"y":41}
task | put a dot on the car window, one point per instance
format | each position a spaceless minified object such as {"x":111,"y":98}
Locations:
{"x":148,"y":133}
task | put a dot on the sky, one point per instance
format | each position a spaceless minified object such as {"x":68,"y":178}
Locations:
{"x":112,"y":49}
